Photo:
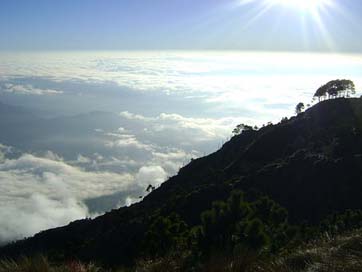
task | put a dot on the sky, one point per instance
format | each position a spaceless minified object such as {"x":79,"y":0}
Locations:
{"x":99,"y":99}
{"x":268,"y":25}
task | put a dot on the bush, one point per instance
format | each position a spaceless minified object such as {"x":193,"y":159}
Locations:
{"x":166,"y":234}
{"x":260,"y":225}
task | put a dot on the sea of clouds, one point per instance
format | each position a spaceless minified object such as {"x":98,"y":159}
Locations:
{"x":89,"y":131}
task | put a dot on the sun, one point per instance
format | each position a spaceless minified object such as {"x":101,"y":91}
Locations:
{"x":309,"y":15}
{"x":302,"y":5}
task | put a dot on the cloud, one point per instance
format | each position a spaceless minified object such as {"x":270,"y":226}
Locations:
{"x":83,"y":160}
{"x":27,"y":90}
{"x":4,"y":150}
{"x":153,"y":174}
{"x":49,"y":189}
{"x":204,"y":129}
{"x":40,"y":193}
{"x":37,"y":212}
{"x":172,"y":159}
{"x":51,"y":176}
{"x":126,"y":140}
{"x":132,"y":116}
{"x":226,"y":83}
{"x":168,"y":140}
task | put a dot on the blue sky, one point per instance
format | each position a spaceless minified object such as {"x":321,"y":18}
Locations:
{"x":176,"y":24}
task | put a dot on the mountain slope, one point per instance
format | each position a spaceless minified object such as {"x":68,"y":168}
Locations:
{"x":310,"y":164}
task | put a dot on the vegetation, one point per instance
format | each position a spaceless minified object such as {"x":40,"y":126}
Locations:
{"x":243,"y":127}
{"x":166,"y":234}
{"x":324,"y":252}
{"x":332,"y":89}
{"x":258,"y":226}
{"x":335,"y":88}
{"x":42,"y":264}
{"x":299,"y":108}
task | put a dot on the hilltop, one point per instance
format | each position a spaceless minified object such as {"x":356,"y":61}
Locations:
{"x":310,"y":165}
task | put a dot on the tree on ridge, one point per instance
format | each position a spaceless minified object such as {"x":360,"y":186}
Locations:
{"x":299,"y":108}
{"x":335,"y":88}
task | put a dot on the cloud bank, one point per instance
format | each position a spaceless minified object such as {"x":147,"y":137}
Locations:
{"x":229,"y":82}
{"x":41,"y":193}
{"x":27,"y":90}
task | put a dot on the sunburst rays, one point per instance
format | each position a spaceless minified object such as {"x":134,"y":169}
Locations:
{"x":309,"y":12}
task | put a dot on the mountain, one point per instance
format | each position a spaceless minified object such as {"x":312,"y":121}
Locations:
{"x":68,"y":136}
{"x":310,"y":164}
{"x":14,"y":114}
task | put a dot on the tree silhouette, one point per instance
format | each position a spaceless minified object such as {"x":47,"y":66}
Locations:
{"x":336,"y":88}
{"x":240,"y":222}
{"x":150,"y":188}
{"x":299,"y":108}
{"x":243,"y":127}
{"x":255,"y":235}
{"x":321,"y":93}
{"x":347,"y":87}
{"x":166,"y":234}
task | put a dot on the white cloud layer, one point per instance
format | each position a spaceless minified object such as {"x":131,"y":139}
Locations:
{"x":45,"y":191}
{"x":253,"y":81}
{"x":154,"y":175}
{"x":27,"y":90}
{"x":41,"y":193}
{"x":205,"y":128}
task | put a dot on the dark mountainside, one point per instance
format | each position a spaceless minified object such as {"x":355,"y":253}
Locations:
{"x":310,"y":164}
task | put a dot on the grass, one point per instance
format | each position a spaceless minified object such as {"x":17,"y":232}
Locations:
{"x":341,"y":253}
{"x":41,"y":264}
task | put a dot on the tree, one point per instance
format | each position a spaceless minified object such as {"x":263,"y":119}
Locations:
{"x":336,"y":88}
{"x":166,"y":234}
{"x":243,"y":127}
{"x":238,"y":222}
{"x":150,"y":188}
{"x":299,"y":108}
{"x":284,"y":120}
{"x":255,"y":236}
{"x":348,"y":87}
{"x":321,"y":93}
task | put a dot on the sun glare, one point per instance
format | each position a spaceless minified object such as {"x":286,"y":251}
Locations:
{"x":313,"y":11}
{"x":303,"y":5}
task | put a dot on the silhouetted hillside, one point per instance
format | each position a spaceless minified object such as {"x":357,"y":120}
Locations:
{"x":310,"y":164}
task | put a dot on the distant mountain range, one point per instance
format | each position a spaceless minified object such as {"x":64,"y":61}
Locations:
{"x":310,"y":164}
{"x":66,"y":135}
